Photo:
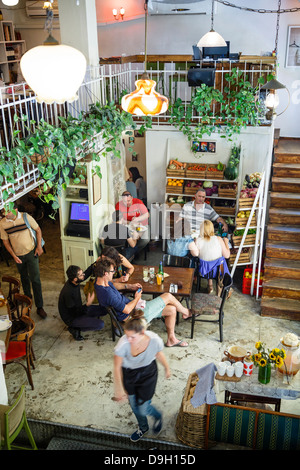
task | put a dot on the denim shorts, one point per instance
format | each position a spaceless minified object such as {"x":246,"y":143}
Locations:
{"x":153,"y":309}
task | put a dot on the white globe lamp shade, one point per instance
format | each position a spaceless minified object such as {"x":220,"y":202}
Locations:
{"x":10,"y":3}
{"x":54,"y":72}
{"x":212,"y":39}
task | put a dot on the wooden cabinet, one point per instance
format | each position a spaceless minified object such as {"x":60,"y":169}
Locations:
{"x":11,"y":51}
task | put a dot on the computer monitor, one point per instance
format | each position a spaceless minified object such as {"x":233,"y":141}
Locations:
{"x":216,"y":53}
{"x":197,"y":54}
{"x":79,"y":212}
{"x":198,"y":76}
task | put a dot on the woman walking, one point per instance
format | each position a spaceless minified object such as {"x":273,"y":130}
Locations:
{"x":135,"y":371}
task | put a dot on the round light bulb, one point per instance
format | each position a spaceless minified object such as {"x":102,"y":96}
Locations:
{"x":10,"y":3}
{"x":272,"y":100}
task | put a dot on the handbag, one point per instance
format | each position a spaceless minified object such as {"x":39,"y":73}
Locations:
{"x":32,"y":231}
{"x":89,"y":288}
{"x":220,"y":283}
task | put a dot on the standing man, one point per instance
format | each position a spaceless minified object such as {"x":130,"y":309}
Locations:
{"x":195,"y":212}
{"x":135,"y":212}
{"x":19,"y":242}
{"x":75,"y":315}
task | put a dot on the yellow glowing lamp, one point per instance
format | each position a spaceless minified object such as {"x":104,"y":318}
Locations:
{"x":144,"y":100}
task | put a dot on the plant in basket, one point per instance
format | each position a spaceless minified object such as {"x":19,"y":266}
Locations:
{"x":265,"y":358}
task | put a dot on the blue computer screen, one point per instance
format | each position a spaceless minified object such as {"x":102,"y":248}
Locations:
{"x":79,"y":212}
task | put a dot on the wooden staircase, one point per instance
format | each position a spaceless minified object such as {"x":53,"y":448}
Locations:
{"x":281,"y":285}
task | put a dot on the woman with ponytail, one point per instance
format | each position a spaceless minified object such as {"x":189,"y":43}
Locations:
{"x":135,"y":371}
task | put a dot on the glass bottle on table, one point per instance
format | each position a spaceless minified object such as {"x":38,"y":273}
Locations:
{"x":161,"y":271}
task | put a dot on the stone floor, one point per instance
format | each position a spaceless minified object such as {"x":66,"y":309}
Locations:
{"x":74,"y":380}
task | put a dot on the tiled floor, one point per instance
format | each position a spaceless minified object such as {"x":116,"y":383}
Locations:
{"x":74,"y":380}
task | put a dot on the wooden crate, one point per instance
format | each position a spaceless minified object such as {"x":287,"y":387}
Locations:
{"x":191,"y":422}
{"x":174,"y":189}
{"x":224,"y":210}
{"x":242,"y":222}
{"x":176,"y":173}
{"x":195,"y":173}
{"x":249,"y":240}
{"x":243,"y":258}
{"x":246,"y":203}
{"x":212,"y":175}
{"x":224,"y":192}
{"x":191,"y":189}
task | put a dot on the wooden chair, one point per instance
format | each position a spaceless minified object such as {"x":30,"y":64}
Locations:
{"x":213,"y":305}
{"x":13,"y":288}
{"x":20,"y":349}
{"x":178,"y":262}
{"x":116,"y":325}
{"x":23,"y":305}
{"x":13,"y":420}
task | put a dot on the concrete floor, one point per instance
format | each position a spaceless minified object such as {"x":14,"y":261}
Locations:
{"x":74,"y":380}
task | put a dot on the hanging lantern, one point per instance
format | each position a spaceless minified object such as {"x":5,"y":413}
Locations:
{"x":10,"y":3}
{"x":212,"y":38}
{"x":145,"y":100}
{"x":53,"y":71}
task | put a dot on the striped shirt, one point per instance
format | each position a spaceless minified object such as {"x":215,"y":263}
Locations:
{"x":196,"y":217}
{"x":18,"y":234}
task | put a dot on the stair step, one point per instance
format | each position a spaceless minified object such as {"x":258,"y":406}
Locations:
{"x":280,"y":287}
{"x":285,"y":250}
{"x":287,"y":309}
{"x":284,"y":216}
{"x":287,"y":150}
{"x":291,"y":200}
{"x":286,"y":170}
{"x":284,"y":233}
{"x":276,"y":267}
{"x":287,"y":185}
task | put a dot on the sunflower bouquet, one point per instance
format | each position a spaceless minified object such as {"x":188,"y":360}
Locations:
{"x":268,"y":356}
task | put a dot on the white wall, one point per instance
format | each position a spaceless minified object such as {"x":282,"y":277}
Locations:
{"x":254,"y":155}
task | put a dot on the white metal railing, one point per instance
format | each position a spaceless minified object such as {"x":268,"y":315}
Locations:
{"x":102,"y":84}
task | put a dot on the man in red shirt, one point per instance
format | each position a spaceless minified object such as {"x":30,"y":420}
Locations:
{"x":135,"y":212}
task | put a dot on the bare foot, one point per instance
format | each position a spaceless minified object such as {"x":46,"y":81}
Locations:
{"x":180,"y":344}
{"x":187,"y":315}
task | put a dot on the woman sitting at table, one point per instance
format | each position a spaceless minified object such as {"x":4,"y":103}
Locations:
{"x":118,"y":235}
{"x":124,"y":268}
{"x":209,"y":249}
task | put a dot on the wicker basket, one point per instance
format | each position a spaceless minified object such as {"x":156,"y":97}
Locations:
{"x":191,"y":422}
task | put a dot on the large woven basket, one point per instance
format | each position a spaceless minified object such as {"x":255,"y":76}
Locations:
{"x":191,"y":422}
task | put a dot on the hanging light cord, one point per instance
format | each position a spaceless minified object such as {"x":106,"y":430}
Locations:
{"x":146,"y":25}
{"x":212,"y":15}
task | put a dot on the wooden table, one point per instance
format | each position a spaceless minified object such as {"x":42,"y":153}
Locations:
{"x":184,"y":275}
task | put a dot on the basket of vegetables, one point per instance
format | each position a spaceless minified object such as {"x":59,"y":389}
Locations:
{"x":249,"y":239}
{"x":242,"y":218}
{"x":210,"y":188}
{"x":191,"y":187}
{"x":174,"y":186}
{"x":196,"y":170}
{"x":215,"y":171}
{"x":228,"y":189}
{"x":176,"y":168}
{"x":244,"y":257}
{"x":225,"y":206}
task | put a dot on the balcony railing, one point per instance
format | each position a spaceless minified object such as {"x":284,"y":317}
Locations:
{"x":104,"y":84}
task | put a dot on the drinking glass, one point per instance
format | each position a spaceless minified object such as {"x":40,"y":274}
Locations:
{"x":152,"y":275}
{"x":145,"y":274}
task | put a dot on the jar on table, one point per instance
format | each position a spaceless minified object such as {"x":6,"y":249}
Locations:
{"x":291,"y":344}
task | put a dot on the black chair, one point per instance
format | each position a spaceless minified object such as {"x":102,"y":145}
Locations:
{"x":207,"y":304}
{"x":178,"y":262}
{"x":208,"y":275}
{"x":116,"y":325}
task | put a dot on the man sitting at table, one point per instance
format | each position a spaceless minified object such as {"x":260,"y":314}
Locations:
{"x":165,"y":305}
{"x":117,"y":234}
{"x":135,"y":212}
{"x":75,"y":315}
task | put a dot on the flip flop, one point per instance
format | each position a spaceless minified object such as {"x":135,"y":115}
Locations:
{"x":177,"y":345}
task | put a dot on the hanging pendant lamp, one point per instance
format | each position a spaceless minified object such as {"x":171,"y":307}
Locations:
{"x":212,"y":38}
{"x":54,"y":71}
{"x":145,"y":101}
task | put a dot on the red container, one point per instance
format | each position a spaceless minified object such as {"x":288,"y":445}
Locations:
{"x":246,"y":288}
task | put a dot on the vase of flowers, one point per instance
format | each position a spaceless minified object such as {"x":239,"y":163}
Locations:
{"x":264,"y":358}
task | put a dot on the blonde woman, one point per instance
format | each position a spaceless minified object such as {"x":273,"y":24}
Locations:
{"x":135,"y":371}
{"x":209,"y":248}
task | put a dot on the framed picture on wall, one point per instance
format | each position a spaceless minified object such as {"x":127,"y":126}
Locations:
{"x":293,"y":47}
{"x":203,"y":146}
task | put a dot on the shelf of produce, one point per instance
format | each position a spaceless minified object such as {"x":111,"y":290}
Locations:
{"x":208,"y":197}
{"x":202,"y":179}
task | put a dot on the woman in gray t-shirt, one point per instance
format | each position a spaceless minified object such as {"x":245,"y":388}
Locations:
{"x":135,"y":371}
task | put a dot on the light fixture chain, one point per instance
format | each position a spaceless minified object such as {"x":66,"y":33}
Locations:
{"x":260,"y":10}
{"x":212,"y":15}
{"x":277,"y":27}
